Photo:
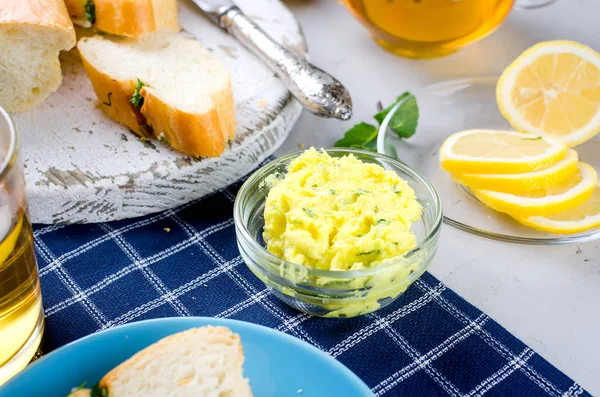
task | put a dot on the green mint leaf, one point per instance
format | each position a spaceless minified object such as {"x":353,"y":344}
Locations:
{"x":90,"y":11}
{"x":405,"y":119}
{"x":360,"y":136}
{"x":537,"y":138}
{"x":137,"y":100}
{"x":382,"y":113}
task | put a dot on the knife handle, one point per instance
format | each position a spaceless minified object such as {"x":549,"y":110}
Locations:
{"x":318,"y":91}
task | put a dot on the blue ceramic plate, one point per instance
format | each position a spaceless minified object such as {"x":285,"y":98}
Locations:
{"x":277,"y":364}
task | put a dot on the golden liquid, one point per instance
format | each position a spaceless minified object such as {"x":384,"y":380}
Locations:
{"x":20,"y":297}
{"x":428,"y":28}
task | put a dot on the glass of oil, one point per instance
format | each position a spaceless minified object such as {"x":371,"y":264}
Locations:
{"x":21,"y":315}
{"x":429,"y":28}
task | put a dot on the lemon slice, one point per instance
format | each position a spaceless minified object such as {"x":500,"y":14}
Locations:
{"x":549,"y":200}
{"x":553,"y":89}
{"x":528,"y":181}
{"x":499,"y":152}
{"x":584,"y":217}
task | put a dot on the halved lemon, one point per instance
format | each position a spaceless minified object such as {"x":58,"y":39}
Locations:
{"x":499,"y":152}
{"x":549,"y":200}
{"x":528,"y":181}
{"x":553,"y":89}
{"x":584,"y":217}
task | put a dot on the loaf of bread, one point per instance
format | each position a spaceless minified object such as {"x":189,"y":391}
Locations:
{"x":205,"y":361}
{"x":131,"y":18}
{"x":163,"y":86}
{"x":32,"y":33}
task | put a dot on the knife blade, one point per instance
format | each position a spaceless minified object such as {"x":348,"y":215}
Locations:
{"x":317,"y":90}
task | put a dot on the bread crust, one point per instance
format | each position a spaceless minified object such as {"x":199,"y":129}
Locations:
{"x":195,"y":134}
{"x":130,"y":18}
{"x":51,"y":14}
{"x":211,"y":334}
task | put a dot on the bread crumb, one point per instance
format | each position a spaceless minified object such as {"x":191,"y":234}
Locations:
{"x":167,"y":229}
{"x":300,"y":146}
{"x":262,"y":103}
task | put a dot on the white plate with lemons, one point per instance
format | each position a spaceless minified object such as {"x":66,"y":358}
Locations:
{"x":515,"y":158}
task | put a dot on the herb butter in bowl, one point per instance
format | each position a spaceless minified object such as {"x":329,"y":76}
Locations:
{"x":337,"y":233}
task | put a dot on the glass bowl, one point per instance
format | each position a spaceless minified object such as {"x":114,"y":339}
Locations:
{"x":455,"y":105}
{"x":328,"y":293}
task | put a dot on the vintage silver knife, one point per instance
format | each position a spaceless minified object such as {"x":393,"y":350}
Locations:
{"x":318,"y":91}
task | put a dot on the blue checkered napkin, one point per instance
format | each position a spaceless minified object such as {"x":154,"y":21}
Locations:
{"x":185,"y":262}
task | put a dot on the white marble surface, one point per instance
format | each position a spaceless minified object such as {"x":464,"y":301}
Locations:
{"x":549,"y":297}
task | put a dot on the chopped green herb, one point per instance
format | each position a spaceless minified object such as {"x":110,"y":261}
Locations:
{"x":382,"y":221}
{"x":82,"y":385}
{"x":109,"y":102}
{"x":90,"y":11}
{"x":137,"y":100}
{"x":314,"y":185}
{"x":403,"y":123}
{"x":537,"y":138}
{"x":98,"y":391}
{"x":332,"y":191}
{"x":309,"y":212}
{"x":396,"y":190}
{"x":164,"y":139}
{"x":374,"y":252}
{"x":146,"y":130}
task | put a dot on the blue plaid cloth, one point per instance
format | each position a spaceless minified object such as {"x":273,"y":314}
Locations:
{"x":185,"y":262}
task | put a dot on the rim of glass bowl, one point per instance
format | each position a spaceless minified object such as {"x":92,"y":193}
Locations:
{"x":258,"y":175}
{"x":7,"y":161}
{"x":383,"y":148}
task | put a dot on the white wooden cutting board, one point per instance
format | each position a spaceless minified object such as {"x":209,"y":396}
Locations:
{"x":82,"y":167}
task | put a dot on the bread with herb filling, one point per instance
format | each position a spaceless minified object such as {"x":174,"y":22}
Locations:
{"x":163,"y":86}
{"x":205,"y":361}
{"x":131,"y":18}
{"x":32,"y":33}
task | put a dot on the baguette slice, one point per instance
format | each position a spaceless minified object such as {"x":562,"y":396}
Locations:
{"x":130,"y":18}
{"x":32,"y":33}
{"x":205,"y":361}
{"x":186,"y":100}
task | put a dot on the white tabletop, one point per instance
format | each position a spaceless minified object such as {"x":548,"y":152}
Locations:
{"x":546,"y":296}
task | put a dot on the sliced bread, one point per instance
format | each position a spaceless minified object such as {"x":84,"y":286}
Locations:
{"x":32,"y":33}
{"x":131,"y":18}
{"x":204,"y":361}
{"x":163,"y":86}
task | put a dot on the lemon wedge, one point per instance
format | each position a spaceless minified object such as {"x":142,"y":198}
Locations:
{"x":499,"y":152}
{"x":553,"y":90}
{"x":528,"y":181}
{"x":563,"y":196}
{"x":584,"y":217}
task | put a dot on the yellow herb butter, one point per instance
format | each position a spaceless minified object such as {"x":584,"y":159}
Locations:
{"x":338,"y":213}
